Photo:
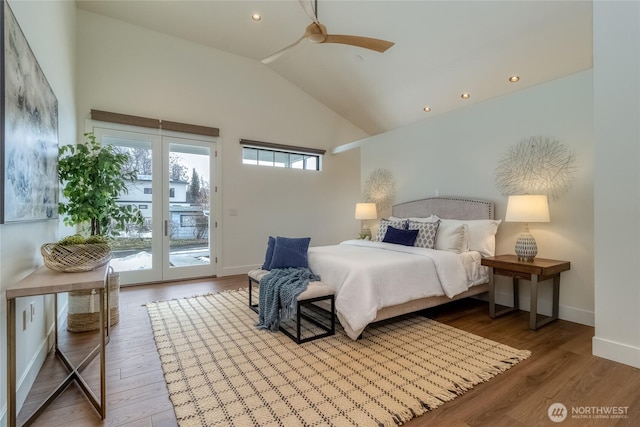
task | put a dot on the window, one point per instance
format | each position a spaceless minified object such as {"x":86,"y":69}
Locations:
{"x":147,"y":190}
{"x":280,"y":156}
{"x":143,"y":206}
{"x":188,"y":221}
{"x":172,"y":192}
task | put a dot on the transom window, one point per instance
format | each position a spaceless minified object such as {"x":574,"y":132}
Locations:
{"x":280,"y":156}
{"x":279,"y":159}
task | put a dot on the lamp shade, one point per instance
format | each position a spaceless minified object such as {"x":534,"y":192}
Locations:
{"x":366,"y":211}
{"x":528,"y":208}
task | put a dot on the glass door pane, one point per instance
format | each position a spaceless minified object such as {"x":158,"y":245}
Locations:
{"x":188,"y":211}
{"x":135,"y":254}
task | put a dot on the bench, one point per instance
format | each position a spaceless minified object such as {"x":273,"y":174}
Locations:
{"x":307,"y":309}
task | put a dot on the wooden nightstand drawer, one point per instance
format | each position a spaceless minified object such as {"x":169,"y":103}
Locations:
{"x":509,"y":273}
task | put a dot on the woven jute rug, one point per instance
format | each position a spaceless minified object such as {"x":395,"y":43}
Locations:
{"x":222,"y":371}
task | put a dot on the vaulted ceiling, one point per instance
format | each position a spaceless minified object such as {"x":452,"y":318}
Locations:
{"x":442,"y":48}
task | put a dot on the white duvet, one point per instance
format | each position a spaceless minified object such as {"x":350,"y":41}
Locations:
{"x":369,"y":275}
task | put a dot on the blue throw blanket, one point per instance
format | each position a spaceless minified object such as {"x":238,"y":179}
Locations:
{"x":279,"y":291}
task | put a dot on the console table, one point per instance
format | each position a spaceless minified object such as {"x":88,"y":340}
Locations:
{"x":44,"y":281}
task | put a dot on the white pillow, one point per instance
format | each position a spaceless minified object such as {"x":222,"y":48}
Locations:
{"x":452,"y":238}
{"x":481,"y":233}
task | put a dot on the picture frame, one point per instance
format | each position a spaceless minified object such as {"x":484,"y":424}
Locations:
{"x":29,"y":137}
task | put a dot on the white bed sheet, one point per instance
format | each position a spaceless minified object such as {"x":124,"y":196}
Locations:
{"x":369,"y":275}
{"x":476,"y":273}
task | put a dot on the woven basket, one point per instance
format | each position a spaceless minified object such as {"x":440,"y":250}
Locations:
{"x":75,"y":258}
{"x":83,"y":313}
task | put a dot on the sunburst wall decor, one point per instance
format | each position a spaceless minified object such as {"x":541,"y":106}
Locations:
{"x":536,"y":165}
{"x":379,"y":188}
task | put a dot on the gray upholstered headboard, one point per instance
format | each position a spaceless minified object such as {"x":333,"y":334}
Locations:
{"x":446,"y":207}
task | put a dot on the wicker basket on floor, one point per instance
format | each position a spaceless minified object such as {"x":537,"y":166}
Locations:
{"x":83,"y":313}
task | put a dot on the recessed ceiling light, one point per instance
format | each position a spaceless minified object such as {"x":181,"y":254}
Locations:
{"x":465,"y":95}
{"x":256,"y":17}
{"x":514,"y":79}
{"x":426,"y":109}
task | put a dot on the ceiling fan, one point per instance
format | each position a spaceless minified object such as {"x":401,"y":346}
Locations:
{"x":317,"y":33}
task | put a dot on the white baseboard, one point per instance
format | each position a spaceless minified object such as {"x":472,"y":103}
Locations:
{"x":240,"y":269}
{"x":570,"y":314}
{"x":618,"y":352}
{"x":577,"y":315}
{"x":25,"y":382}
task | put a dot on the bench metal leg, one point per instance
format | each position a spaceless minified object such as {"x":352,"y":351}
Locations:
{"x":252,"y":306}
{"x":328,"y":330}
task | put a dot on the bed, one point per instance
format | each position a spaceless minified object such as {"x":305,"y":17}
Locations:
{"x":376,"y":280}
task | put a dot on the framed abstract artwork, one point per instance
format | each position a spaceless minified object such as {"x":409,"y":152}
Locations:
{"x":29,"y":137}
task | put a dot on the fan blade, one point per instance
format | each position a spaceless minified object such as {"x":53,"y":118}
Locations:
{"x":364,"y":42}
{"x":269,"y":59}
{"x":308,"y":8}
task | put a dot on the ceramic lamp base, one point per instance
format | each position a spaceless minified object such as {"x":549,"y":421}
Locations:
{"x":526,"y":247}
{"x":365,"y":231}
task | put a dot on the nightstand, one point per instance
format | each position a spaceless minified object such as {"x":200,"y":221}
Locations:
{"x":536,"y":271}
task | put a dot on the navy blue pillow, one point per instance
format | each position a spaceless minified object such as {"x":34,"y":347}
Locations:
{"x":400,"y":237}
{"x":290,"y":252}
{"x":269,"y":255}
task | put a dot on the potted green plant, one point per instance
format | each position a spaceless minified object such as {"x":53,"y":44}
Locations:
{"x":93,"y":177}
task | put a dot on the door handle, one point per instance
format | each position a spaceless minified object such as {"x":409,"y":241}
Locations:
{"x":166,"y":227}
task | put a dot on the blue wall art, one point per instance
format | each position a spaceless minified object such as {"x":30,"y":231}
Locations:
{"x":29,"y":137}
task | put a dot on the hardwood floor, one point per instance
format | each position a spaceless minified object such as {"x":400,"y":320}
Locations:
{"x":560,"y":369}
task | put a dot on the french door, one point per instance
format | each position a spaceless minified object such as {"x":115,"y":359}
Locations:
{"x":175,"y":192}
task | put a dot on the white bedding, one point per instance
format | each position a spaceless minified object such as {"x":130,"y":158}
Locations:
{"x":369,"y":275}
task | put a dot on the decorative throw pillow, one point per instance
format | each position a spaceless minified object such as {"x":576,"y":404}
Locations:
{"x":290,"y":253}
{"x":400,"y":237}
{"x":384,"y":223}
{"x":269,"y":255}
{"x":427,"y":232}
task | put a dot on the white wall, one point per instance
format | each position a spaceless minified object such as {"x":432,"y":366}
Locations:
{"x":616,"y":69}
{"x":128,"y":69}
{"x":457,"y":153}
{"x":50,"y":30}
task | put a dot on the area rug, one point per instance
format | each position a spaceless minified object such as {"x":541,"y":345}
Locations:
{"x":222,"y":371}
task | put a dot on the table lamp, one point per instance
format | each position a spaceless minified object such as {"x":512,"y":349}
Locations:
{"x":527,"y":208}
{"x":365,"y":211}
